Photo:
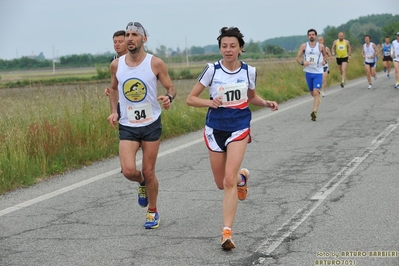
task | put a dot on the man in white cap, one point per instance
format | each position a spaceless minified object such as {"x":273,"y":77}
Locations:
{"x":134,"y":79}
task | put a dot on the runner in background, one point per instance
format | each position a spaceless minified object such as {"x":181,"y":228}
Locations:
{"x":386,"y":56}
{"x":311,"y":56}
{"x":343,"y":51}
{"x":370,"y":53}
{"x":395,"y":56}
{"x":326,"y":69}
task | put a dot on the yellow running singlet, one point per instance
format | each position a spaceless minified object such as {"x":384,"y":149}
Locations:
{"x":341,"y":49}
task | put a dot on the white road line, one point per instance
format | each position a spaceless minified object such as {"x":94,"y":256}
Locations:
{"x":114,"y":171}
{"x":86,"y":182}
{"x":270,"y":244}
{"x":57,"y":192}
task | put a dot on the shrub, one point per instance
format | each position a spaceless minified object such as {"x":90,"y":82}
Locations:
{"x":103,"y":72}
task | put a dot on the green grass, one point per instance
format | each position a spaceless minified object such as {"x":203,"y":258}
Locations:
{"x":47,"y":130}
{"x":13,"y":76}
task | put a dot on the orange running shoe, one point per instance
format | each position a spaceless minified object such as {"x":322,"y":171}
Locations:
{"x":242,"y":191}
{"x":227,"y":241}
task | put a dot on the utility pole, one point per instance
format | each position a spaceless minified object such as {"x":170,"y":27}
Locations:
{"x":187,"y":53}
{"x":53,"y":61}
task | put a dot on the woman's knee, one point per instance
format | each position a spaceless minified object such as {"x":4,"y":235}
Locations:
{"x":230,"y":182}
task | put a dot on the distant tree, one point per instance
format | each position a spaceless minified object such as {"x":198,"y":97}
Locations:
{"x":161,"y":51}
{"x":372,"y":30}
{"x":84,"y":60}
{"x":390,"y":30}
{"x":3,"y":64}
{"x":211,"y":49}
{"x":375,"y":36}
{"x":273,"y":49}
{"x":330,"y":35}
{"x":356,"y":29}
{"x":374,"y":25}
{"x":354,"y":41}
{"x":377,"y":26}
{"x":103,"y":72}
{"x":290,"y":43}
{"x":197,"y":50}
{"x":149,"y":51}
{"x":26,"y":62}
{"x":252,"y":47}
{"x":23,"y":63}
{"x":379,"y":20}
{"x":40,"y":57}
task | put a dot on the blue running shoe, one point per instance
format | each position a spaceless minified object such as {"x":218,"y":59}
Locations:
{"x":152,"y":220}
{"x":142,"y":196}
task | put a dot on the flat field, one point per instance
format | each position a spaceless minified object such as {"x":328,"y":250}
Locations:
{"x":13,"y":76}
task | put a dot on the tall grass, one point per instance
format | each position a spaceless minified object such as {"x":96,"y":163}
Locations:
{"x":48,"y":130}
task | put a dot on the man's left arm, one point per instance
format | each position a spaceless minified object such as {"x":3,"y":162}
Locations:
{"x":376,"y":50}
{"x":349,"y":49}
{"x":323,"y":52}
{"x":162,"y":74}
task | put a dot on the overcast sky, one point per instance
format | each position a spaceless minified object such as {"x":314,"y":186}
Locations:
{"x":86,"y":26}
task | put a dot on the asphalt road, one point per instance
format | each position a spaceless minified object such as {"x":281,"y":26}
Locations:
{"x":320,"y":193}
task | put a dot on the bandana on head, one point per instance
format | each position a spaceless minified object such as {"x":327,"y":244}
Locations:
{"x":136,"y":26}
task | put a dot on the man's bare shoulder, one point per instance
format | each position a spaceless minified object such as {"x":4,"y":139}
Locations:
{"x":157,"y":62}
{"x":114,"y":64}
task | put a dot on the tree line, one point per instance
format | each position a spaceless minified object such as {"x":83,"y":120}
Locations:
{"x":82,"y":60}
{"x":377,"y":26}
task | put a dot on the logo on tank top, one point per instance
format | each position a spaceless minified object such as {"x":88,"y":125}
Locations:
{"x":134,"y":90}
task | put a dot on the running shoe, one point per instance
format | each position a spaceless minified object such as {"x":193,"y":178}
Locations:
{"x":227,"y":241}
{"x":342,"y":84}
{"x":142,"y":196}
{"x":385,"y":69}
{"x":397,"y":86}
{"x":322,"y":94}
{"x":388,"y":76}
{"x":370,"y":87}
{"x":313,"y":115}
{"x":242,"y":191}
{"x":375,"y":77}
{"x":152,"y":220}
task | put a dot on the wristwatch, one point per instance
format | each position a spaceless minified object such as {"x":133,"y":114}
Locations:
{"x":170,"y":97}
